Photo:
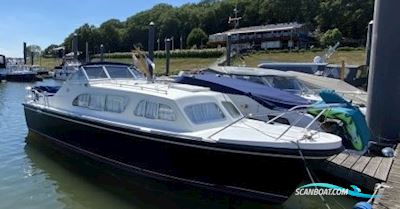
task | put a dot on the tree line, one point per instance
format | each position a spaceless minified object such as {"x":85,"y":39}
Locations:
{"x":349,"y":17}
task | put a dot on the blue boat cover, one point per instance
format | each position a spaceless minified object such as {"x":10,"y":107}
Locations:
{"x":267,"y":96}
{"x":48,"y":89}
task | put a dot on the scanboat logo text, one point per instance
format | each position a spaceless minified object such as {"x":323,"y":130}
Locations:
{"x":332,"y":190}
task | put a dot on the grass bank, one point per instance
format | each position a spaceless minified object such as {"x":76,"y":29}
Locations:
{"x":350,"y":57}
{"x":355,"y":57}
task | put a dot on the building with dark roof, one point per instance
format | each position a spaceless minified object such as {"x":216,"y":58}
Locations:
{"x":276,"y":36}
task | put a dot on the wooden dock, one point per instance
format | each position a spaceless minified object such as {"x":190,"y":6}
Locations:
{"x":390,"y":196}
{"x":363,"y":171}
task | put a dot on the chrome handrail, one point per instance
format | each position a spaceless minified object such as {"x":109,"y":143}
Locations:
{"x":324,"y":108}
{"x":139,"y":86}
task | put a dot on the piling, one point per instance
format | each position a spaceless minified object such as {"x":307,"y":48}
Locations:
{"x":102,"y":53}
{"x":167,"y":56}
{"x":342,"y":70}
{"x":151,"y":48}
{"x":181,"y":42}
{"x":151,"y":41}
{"x":383,"y":115}
{"x":173,"y":44}
{"x":75,"y":46}
{"x":368,"y":44}
{"x":32,"y":58}
{"x":228,"y":50}
{"x":24,"y":53}
{"x":87,"y":52}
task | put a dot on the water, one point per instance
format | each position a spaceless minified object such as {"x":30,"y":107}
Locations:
{"x":33,"y":175}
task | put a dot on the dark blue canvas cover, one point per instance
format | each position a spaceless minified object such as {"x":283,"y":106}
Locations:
{"x":267,"y":96}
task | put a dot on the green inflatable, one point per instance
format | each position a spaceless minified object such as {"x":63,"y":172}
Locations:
{"x":352,"y":118}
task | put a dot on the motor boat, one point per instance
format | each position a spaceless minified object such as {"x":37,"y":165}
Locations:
{"x":2,"y":67}
{"x":272,"y":78}
{"x":40,"y":71}
{"x":174,"y":132}
{"x":63,"y":71}
{"x":256,"y":94}
{"x":15,"y":72}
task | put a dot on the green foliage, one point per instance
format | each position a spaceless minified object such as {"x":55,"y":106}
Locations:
{"x":348,"y":16}
{"x":331,"y":37}
{"x":196,"y":37}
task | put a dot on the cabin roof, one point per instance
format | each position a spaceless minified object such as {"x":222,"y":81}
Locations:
{"x":171,"y":91}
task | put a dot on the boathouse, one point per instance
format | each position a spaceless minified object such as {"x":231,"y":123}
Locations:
{"x":274,"y":36}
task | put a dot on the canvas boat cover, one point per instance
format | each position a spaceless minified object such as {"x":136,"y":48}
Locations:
{"x":341,"y":87}
{"x":267,"y":96}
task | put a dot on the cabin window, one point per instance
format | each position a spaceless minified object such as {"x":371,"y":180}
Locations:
{"x":116,"y":104}
{"x":233,"y":111}
{"x":78,"y":76}
{"x":137,"y":73}
{"x":153,"y":110}
{"x":97,"y":102}
{"x":119,"y":72}
{"x":204,"y":113}
{"x":95,"y":72}
{"x":82,"y":100}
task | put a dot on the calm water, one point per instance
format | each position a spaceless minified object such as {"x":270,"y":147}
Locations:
{"x":33,"y":175}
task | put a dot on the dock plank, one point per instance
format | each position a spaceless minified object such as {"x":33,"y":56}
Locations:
{"x":361,"y":164}
{"x":350,"y":161}
{"x":372,"y":166}
{"x":383,"y":169}
{"x":340,"y":158}
{"x":331,"y":158}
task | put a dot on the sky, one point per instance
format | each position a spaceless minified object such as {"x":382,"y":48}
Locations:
{"x":44,"y":22}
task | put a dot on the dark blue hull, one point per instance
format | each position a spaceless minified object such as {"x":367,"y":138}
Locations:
{"x":217,"y":167}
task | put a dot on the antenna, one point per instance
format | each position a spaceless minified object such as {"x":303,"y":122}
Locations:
{"x":235,"y":19}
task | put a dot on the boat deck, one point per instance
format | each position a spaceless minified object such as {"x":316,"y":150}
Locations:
{"x":364,"y":171}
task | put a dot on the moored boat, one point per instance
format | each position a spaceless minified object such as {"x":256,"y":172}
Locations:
{"x":175,"y":132}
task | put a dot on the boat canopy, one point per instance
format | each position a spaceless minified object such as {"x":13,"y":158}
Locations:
{"x":269,"y":97}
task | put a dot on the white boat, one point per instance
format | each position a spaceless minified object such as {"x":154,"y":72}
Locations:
{"x":174,"y":132}
{"x":272,"y":78}
{"x":65,"y":70}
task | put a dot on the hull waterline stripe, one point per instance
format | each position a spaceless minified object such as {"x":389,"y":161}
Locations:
{"x":173,"y":142}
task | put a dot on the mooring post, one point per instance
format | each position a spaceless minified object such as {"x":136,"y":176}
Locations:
{"x":173,"y":44}
{"x":228,"y":50}
{"x":181,"y":42}
{"x":101,"y":53}
{"x":87,"y":52}
{"x":24,"y":53}
{"x":75,"y":46}
{"x":150,"y":45}
{"x":383,"y":112}
{"x":368,"y":44}
{"x":167,"y":56}
{"x":32,"y":57}
{"x":342,"y":70}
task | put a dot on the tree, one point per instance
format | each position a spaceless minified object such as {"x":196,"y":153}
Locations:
{"x":196,"y":37}
{"x":331,"y":37}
